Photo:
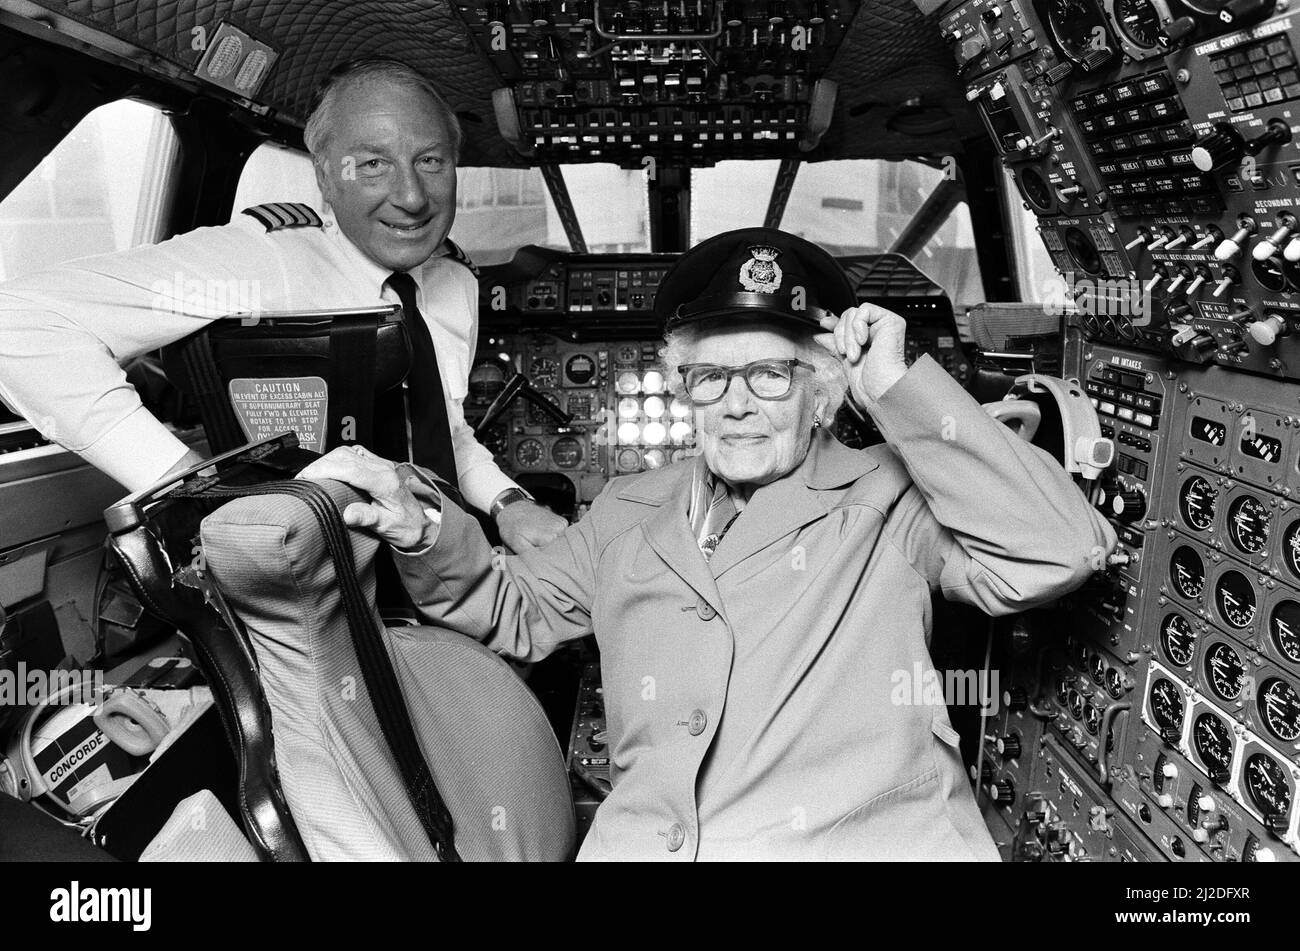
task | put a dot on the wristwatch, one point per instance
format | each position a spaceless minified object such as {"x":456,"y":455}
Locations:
{"x":508,"y":497}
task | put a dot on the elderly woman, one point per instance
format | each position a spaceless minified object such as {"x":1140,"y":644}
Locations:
{"x":756,"y":605}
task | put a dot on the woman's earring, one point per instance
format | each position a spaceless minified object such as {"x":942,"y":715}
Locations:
{"x":817,"y":420}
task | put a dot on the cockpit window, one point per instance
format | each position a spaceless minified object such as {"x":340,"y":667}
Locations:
{"x":856,"y":206}
{"x":101,"y":189}
{"x":730,"y":195}
{"x":612,"y":206}
{"x":499,"y":210}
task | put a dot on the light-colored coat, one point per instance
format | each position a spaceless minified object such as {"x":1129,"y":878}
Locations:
{"x":762,"y":704}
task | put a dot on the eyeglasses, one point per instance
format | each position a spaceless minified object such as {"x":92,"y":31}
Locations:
{"x":767,"y":379}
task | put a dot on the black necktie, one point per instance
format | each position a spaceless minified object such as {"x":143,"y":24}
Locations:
{"x":431,"y":445}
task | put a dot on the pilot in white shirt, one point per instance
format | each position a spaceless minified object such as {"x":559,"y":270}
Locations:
{"x":384,"y":146}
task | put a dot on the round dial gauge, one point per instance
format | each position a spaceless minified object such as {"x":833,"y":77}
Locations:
{"x":1178,"y":639}
{"x":566,"y":452}
{"x":1196,"y":503}
{"x":1074,"y":700}
{"x":529,"y":453}
{"x":1212,"y":740}
{"x":1248,"y":524}
{"x":1280,"y":705}
{"x":1225,"y":670}
{"x":1074,"y":25}
{"x":1139,"y":21}
{"x":1235,"y":599}
{"x":1167,"y":706}
{"x":544,"y":371}
{"x":1291,"y":548}
{"x":1267,"y":784}
{"x":1187,"y":572}
{"x":580,"y":369}
{"x":1284,"y":628}
{"x":655,"y":459}
{"x":629,"y":460}
{"x":1115,"y":683}
{"x":1097,"y":669}
{"x":1092,"y":717}
{"x":486,"y":380}
{"x":1062,"y":691}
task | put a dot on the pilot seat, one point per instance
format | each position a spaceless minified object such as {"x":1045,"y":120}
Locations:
{"x":354,"y":740}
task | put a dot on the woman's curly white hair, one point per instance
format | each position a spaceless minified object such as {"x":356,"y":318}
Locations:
{"x":828,"y":372}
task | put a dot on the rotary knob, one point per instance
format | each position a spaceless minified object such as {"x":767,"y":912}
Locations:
{"x":1009,"y":746}
{"x":1129,"y":505}
{"x":1003,"y":792}
{"x":1015,"y":699}
{"x":1219,"y":149}
{"x":1265,"y":332}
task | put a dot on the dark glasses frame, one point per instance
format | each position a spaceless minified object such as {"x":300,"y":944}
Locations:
{"x":741,"y":371}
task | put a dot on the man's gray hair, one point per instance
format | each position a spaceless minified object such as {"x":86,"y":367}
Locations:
{"x":347,"y":75}
{"x":828,"y":372}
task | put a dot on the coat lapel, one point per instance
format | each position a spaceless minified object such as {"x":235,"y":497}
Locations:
{"x":788,"y":504}
{"x":669,"y":532}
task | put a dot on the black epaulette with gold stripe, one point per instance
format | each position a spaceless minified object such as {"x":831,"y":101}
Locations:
{"x":456,"y":254}
{"x":279,"y":215}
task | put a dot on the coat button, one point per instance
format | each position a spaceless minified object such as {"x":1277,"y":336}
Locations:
{"x":705,"y":610}
{"x":699,"y":720}
{"x":676,"y":836}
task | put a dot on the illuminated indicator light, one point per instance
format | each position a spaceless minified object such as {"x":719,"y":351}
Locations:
{"x":679,"y":409}
{"x":654,"y":458}
{"x":628,"y":382}
{"x":629,"y":433}
{"x":628,"y":408}
{"x":653,"y":382}
{"x":654,"y":407}
{"x":655,"y":434}
{"x":680,"y":431}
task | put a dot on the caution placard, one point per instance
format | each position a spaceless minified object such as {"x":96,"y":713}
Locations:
{"x":267,"y":408}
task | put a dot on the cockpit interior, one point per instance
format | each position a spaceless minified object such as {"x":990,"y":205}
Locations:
{"x":1085,"y":212}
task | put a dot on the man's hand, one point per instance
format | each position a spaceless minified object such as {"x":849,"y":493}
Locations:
{"x":871,"y":341}
{"x":393,"y":514}
{"x":526,"y":525}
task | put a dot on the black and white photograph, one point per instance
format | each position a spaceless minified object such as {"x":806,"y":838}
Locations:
{"x":689,"y":431}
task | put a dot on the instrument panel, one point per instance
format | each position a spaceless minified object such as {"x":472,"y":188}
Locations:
{"x":1154,"y":142}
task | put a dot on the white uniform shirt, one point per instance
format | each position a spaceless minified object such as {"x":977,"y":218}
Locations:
{"x":65,"y":332}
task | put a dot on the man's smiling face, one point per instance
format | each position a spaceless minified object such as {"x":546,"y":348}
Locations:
{"x":388,"y":172}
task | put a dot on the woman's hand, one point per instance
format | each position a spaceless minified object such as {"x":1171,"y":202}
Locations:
{"x":871,"y":341}
{"x":393,"y":514}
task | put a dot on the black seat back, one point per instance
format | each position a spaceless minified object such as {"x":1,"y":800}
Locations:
{"x":320,"y":375}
